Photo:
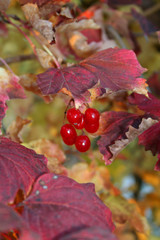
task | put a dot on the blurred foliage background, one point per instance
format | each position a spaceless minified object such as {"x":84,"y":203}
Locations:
{"x":129,"y":186}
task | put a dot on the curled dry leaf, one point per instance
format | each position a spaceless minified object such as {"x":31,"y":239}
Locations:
{"x":125,"y":212}
{"x":29,"y":83}
{"x":45,"y":59}
{"x":114,"y":69}
{"x":74,"y":206}
{"x":70,"y":34}
{"x":150,"y":137}
{"x":52,"y":152}
{"x":9,"y":88}
{"x":45,"y":27}
{"x":118,"y":129}
{"x":99,"y":175}
{"x":19,"y":167}
{"x":14,"y":130}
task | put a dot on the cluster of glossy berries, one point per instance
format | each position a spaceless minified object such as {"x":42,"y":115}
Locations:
{"x":89,"y":121}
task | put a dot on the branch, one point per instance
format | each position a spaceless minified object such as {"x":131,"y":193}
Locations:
{"x":18,"y":59}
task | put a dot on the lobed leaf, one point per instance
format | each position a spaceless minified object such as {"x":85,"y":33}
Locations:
{"x":118,"y":129}
{"x":9,"y":219}
{"x":151,"y":139}
{"x":115,"y":69}
{"x":19,"y":167}
{"x":149,"y":105}
{"x":59,"y":206}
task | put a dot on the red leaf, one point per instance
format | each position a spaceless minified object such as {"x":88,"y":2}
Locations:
{"x":58,"y":206}
{"x":92,"y":233}
{"x":151,"y":139}
{"x":118,"y":129}
{"x":92,"y":35}
{"x":115,"y":68}
{"x":9,"y":219}
{"x":149,"y":105}
{"x":19,"y":167}
{"x":145,"y":24}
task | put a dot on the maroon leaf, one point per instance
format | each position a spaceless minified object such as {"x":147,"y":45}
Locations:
{"x":118,"y":129}
{"x":9,"y":219}
{"x":58,"y":206}
{"x":151,"y":139}
{"x":76,"y":79}
{"x":92,"y":233}
{"x":149,"y":105}
{"x":19,"y":167}
{"x":145,"y":24}
{"x":154,"y":83}
{"x":115,"y":68}
{"x":92,"y":35}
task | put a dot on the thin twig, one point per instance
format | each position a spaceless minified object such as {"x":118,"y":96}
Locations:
{"x":23,"y":33}
{"x":116,"y":35}
{"x":18,"y":59}
{"x":151,"y":10}
{"x":3,"y":62}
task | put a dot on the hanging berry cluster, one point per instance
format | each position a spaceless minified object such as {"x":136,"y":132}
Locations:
{"x":89,"y":121}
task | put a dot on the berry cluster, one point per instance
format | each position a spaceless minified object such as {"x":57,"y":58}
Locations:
{"x":89,"y":121}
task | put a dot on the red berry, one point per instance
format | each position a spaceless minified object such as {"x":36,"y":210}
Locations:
{"x":82,"y":143}
{"x":80,"y":125}
{"x":91,"y":116}
{"x":74,"y":116}
{"x":68,"y":134}
{"x":92,"y":128}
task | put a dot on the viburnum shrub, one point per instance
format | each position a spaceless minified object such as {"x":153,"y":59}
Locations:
{"x":80,"y":57}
